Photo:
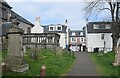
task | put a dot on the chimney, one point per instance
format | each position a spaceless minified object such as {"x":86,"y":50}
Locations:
{"x":37,"y":21}
{"x":66,"y":23}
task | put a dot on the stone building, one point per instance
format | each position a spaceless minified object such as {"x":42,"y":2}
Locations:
{"x":4,"y":11}
{"x":77,"y":40}
{"x":6,"y":14}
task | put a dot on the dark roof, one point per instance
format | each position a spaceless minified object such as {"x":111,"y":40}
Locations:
{"x":46,"y":28}
{"x":4,"y":28}
{"x":77,"y":33}
{"x":51,"y":25}
{"x":101,"y":29}
{"x":5,"y":3}
{"x":20,"y":18}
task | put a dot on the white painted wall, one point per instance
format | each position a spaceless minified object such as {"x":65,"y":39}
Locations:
{"x":37,"y":28}
{"x":67,"y":36}
{"x":94,"y":40}
{"x":62,"y":40}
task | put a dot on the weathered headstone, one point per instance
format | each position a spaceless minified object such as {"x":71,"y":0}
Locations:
{"x":117,"y":55}
{"x":15,"y":58}
{"x":24,"y":49}
{"x":58,"y":50}
{"x":34,"y":54}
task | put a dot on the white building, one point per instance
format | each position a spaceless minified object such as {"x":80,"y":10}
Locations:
{"x":60,"y":29}
{"x":98,"y":35}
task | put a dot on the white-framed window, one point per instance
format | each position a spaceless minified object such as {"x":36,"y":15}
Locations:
{"x":82,"y":39}
{"x":95,"y":26}
{"x":107,"y":26}
{"x":59,"y":28}
{"x":51,"y":28}
{"x":73,"y":33}
{"x":81,"y":33}
{"x":73,"y":39}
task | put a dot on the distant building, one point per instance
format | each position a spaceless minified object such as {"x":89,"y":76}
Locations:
{"x":60,"y":29}
{"x":37,"y":28}
{"x":98,"y":35}
{"x":77,"y":40}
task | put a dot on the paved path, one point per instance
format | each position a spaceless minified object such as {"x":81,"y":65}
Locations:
{"x":83,"y":66}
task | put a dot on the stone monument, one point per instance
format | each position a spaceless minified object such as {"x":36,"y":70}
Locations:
{"x":15,"y":58}
{"x":58,"y":50}
{"x":117,"y":55}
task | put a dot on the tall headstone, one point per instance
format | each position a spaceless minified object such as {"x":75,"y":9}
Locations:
{"x":15,"y":57}
{"x":117,"y":55}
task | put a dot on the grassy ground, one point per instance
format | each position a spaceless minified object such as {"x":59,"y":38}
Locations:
{"x":3,"y":54}
{"x":55,"y":65}
{"x":104,"y":64}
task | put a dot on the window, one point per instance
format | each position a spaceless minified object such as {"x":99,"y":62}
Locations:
{"x":4,"y":13}
{"x":107,"y":26}
{"x":82,"y":40}
{"x":102,"y":36}
{"x":28,"y":30}
{"x":73,"y":33}
{"x":95,"y":26}
{"x":81,"y":33}
{"x":73,"y":39}
{"x":51,"y":28}
{"x":59,"y":28}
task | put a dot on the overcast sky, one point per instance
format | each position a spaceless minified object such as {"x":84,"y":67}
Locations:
{"x":53,"y":12}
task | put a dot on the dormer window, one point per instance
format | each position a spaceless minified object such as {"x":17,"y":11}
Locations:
{"x":81,"y":33}
{"x":95,"y":26}
{"x":107,"y":27}
{"x":73,"y":33}
{"x":51,"y":28}
{"x":58,"y":28}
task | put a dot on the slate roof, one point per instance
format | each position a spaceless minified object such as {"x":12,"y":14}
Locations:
{"x":77,"y":33}
{"x":15,"y":15}
{"x":101,"y":29}
{"x":46,"y":28}
{"x":20,"y":18}
{"x":5,"y":3}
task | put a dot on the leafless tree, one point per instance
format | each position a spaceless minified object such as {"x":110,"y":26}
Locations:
{"x":114,"y":9}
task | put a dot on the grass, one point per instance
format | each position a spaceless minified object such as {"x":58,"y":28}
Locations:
{"x":104,"y":64}
{"x":3,"y":54}
{"x":56,"y":65}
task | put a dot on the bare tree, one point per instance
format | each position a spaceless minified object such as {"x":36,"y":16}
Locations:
{"x":113,"y":7}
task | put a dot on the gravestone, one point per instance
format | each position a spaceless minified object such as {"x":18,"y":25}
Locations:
{"x":117,"y":55}
{"x":15,"y":59}
{"x":24,"y":49}
{"x":58,"y":50}
{"x":34,"y":54}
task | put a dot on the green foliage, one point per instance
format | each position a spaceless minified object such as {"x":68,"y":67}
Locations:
{"x":104,"y":64}
{"x":55,"y":64}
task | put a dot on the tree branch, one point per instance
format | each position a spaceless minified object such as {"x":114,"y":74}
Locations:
{"x":106,"y":9}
